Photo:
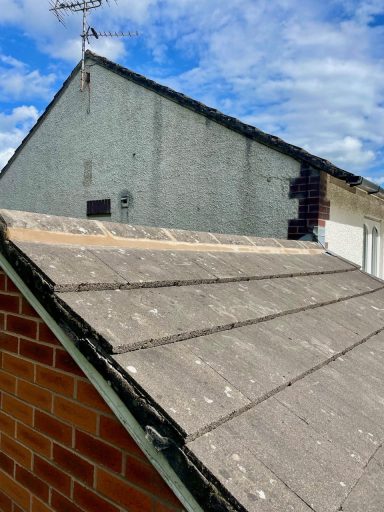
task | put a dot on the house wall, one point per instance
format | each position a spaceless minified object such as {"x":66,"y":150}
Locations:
{"x":178,"y":168}
{"x":61,"y":448}
{"x":310,"y":188}
{"x":350,"y":209}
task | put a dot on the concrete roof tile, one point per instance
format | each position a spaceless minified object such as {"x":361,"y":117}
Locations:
{"x":292,"y":450}
{"x":132,"y":319}
{"x":190,"y":392}
{"x":71,"y":268}
{"x":260,"y":360}
{"x":368,"y":494}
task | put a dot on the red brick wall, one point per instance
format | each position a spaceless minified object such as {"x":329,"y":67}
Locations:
{"x":61,"y":448}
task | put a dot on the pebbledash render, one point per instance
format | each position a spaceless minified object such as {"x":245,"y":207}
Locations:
{"x":130,"y":150}
{"x":61,"y":447}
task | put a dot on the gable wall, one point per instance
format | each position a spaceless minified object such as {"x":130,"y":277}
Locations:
{"x":179,"y":169}
{"x":61,"y":448}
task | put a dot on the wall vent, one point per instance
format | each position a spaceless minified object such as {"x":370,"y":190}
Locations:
{"x":99,"y":207}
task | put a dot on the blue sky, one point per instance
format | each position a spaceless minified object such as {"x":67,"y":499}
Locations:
{"x":310,"y":72}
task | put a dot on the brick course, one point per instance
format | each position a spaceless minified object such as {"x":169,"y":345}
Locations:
{"x":61,"y":448}
{"x":310,"y":188}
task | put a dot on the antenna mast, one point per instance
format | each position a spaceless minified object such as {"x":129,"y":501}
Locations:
{"x":64,"y":8}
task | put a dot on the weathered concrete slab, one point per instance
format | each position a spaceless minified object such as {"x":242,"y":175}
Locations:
{"x":217,"y":264}
{"x":368,"y":495}
{"x":156,"y":267}
{"x":361,"y":315}
{"x":335,"y":286}
{"x":145,"y":266}
{"x":194,"y":237}
{"x":369,"y":356}
{"x":71,"y":268}
{"x":250,"y":481}
{"x":274,"y":265}
{"x":372,"y":307}
{"x":355,"y":388}
{"x":316,"y":329}
{"x":129,"y":231}
{"x":321,"y":262}
{"x":258,"y":358}
{"x":379,"y":457}
{"x":131,"y":319}
{"x":308,"y":244}
{"x":183,"y":385}
{"x":337,"y":421}
{"x":39,"y":221}
{"x":273,"y":242}
{"x":316,"y":470}
{"x":242,"y":240}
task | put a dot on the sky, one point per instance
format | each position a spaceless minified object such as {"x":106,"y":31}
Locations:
{"x":308,"y":71}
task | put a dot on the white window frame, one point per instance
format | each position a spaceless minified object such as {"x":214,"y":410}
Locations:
{"x":371,"y":246}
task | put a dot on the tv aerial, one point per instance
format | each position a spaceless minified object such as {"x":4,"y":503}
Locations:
{"x":64,"y":8}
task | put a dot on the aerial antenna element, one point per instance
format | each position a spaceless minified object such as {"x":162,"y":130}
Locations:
{"x":64,"y":8}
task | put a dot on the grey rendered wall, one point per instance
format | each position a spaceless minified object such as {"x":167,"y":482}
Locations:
{"x":179,"y":169}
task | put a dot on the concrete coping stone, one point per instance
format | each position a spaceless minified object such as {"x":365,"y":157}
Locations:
{"x":50,"y":229}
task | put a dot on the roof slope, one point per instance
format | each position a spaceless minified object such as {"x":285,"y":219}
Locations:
{"x":212,"y":114}
{"x":255,"y":365}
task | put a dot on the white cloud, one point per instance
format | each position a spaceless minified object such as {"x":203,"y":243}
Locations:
{"x":310,"y":72}
{"x":299,"y":70}
{"x":348,"y":152}
{"x":10,"y":11}
{"x":17,"y":81}
{"x":13,"y":128}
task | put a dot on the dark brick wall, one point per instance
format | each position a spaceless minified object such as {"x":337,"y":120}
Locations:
{"x":310,"y":188}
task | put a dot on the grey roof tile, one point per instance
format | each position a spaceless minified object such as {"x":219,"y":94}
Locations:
{"x":192,"y":393}
{"x":249,"y":480}
{"x":262,"y":363}
{"x":317,"y":471}
{"x":368,"y":495}
{"x":28,"y":220}
{"x":129,"y":231}
{"x":339,"y":422}
{"x":130,"y":319}
{"x":71,"y":268}
{"x":154,"y":267}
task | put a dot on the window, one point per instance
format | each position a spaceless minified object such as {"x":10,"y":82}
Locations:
{"x":375,"y":248}
{"x":371,"y":247}
{"x":365,"y":248}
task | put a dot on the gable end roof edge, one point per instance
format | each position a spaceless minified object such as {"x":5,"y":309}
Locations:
{"x":194,"y":488}
{"x":229,"y":122}
{"x":40,"y":120}
{"x":126,"y":418}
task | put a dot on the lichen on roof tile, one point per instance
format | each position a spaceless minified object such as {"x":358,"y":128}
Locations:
{"x":260,"y":364}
